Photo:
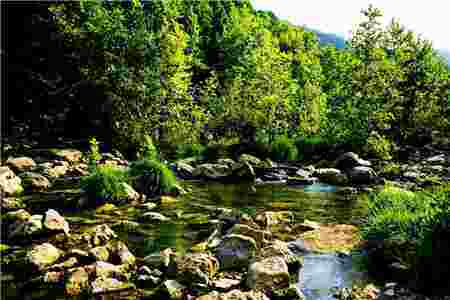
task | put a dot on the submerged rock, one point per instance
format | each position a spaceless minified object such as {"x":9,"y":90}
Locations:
{"x":331,"y":176}
{"x":236,"y":251}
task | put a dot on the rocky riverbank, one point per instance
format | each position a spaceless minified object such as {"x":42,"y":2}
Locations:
{"x":47,"y":252}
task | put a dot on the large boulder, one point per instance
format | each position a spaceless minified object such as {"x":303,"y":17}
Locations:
{"x":35,"y":182}
{"x":10,"y":184}
{"x":350,"y":160}
{"x":362,"y":175}
{"x":269,"y":273}
{"x":331,"y":176}
{"x":44,"y":255}
{"x":21,"y":164}
{"x":212,"y":171}
{"x":236,"y":251}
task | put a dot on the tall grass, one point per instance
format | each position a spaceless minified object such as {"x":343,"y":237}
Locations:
{"x":157,"y":169}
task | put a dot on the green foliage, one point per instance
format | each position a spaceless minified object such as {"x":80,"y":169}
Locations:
{"x":167,"y":179}
{"x":395,"y":213}
{"x":149,"y":150}
{"x":94,"y":153}
{"x":190,"y":150}
{"x":380,"y":146}
{"x":284,"y":148}
{"x":105,"y":183}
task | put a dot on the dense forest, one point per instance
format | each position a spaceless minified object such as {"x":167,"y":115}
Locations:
{"x":219,"y":72}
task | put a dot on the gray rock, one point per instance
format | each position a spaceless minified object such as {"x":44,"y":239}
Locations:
{"x":362,"y":175}
{"x":212,"y":171}
{"x":10,"y":184}
{"x":349,"y":160}
{"x":331,"y":176}
{"x":153,"y":217}
{"x":269,"y":273}
{"x":252,"y":160}
{"x":184,"y":170}
{"x":236,"y":251}
{"x":34,"y":181}
{"x":196,"y":268}
{"x":436,"y":160}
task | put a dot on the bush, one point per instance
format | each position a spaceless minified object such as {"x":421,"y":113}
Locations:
{"x":395,"y":213}
{"x":379,"y":146}
{"x":165,"y":180}
{"x":105,"y":182}
{"x":283,"y":148}
{"x":148,"y":149}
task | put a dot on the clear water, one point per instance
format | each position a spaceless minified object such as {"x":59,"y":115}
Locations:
{"x":190,"y":225}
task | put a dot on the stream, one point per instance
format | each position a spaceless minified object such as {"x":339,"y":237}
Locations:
{"x":189,"y":225}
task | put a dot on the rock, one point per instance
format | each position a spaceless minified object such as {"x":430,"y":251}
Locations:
{"x":212,"y":171}
{"x":21,"y":229}
{"x":290,"y":293}
{"x":306,"y":226}
{"x":167,"y":200}
{"x":77,"y":281}
{"x":269,"y":273}
{"x":236,"y":295}
{"x":107,"y":285}
{"x":99,"y":235}
{"x":277,"y":248}
{"x":106,"y":208}
{"x":79,"y":170}
{"x":159,"y":260}
{"x":53,"y":221}
{"x":69,"y":155}
{"x":120,"y":253}
{"x":274,"y":177}
{"x":261,"y":237}
{"x":10,"y":204}
{"x":131,"y":194}
{"x":173,"y":290}
{"x":21,"y":164}
{"x":10,"y":184}
{"x":226,"y":284}
{"x":362,"y":175}
{"x":270,"y":218}
{"x":100,"y":253}
{"x":184,"y":170}
{"x":153,"y":217}
{"x":17,"y":215}
{"x":349,"y":160}
{"x":35,"y":182}
{"x":410,"y":175}
{"x":236,"y":251}
{"x":250,"y":159}
{"x":105,"y":270}
{"x":243,"y":170}
{"x":56,"y":171}
{"x":67,"y":264}
{"x":54,"y":277}
{"x":44,"y":255}
{"x":331,"y":176}
{"x":196,"y":268}
{"x":436,"y":160}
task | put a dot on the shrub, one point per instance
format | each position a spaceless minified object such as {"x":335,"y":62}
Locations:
{"x":395,"y":213}
{"x":148,"y":149}
{"x":105,"y":182}
{"x":190,"y":150}
{"x":283,"y":148}
{"x":94,"y":153}
{"x":379,"y":146}
{"x":165,"y":179}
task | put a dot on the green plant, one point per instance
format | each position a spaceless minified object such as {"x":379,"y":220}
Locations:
{"x":94,"y":153}
{"x":149,"y":150}
{"x":105,"y":182}
{"x":166,"y":179}
{"x":283,"y":148}
{"x":380,"y":146}
{"x":190,"y":150}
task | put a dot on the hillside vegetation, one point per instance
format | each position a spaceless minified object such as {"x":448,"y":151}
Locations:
{"x":219,"y":72}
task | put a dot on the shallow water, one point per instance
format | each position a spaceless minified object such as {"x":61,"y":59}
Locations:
{"x":189,"y":222}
